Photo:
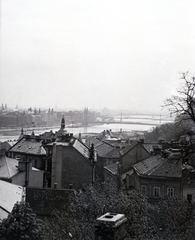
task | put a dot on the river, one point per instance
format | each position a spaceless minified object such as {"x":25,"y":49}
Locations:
{"x":138,"y":123}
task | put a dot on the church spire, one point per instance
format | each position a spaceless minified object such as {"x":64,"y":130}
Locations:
{"x":63,"y":123}
{"x":21,"y":134}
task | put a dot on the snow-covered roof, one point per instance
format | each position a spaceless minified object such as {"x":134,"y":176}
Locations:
{"x":9,"y":195}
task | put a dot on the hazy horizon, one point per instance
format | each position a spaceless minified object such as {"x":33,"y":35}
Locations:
{"x":76,"y":54}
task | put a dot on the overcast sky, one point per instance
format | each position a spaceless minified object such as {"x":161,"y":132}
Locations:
{"x":106,"y":53}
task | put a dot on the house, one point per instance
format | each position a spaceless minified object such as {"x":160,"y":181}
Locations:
{"x":68,"y":160}
{"x":159,"y":175}
{"x":106,"y":154}
{"x":70,"y":163}
{"x":10,"y":194}
{"x":121,"y":169}
{"x":20,"y":172}
{"x":29,"y":148}
{"x":132,"y":154}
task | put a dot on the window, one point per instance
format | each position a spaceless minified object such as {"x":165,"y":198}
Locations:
{"x":143,"y":190}
{"x":170,"y":192}
{"x":189,"y":197}
{"x":156,"y":192}
{"x":18,"y":157}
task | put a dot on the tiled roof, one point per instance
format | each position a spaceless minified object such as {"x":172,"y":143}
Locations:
{"x":103,"y":149}
{"x":29,"y":145}
{"x":10,"y":194}
{"x":93,"y":140}
{"x":114,"y":153}
{"x":158,"y":166}
{"x":8,"y":167}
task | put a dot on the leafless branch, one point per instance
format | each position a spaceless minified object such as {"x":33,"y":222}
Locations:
{"x":183,"y":104}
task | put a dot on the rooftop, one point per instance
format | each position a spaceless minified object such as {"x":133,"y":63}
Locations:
{"x":8,"y":167}
{"x":10,"y":194}
{"x":114,"y":153}
{"x":103,"y":149}
{"x":159,"y":166}
{"x":29,"y":145}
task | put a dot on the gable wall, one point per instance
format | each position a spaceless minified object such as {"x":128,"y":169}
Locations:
{"x":70,"y":167}
{"x":135,"y":155}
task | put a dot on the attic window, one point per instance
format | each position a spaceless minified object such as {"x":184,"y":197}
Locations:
{"x":19,"y":146}
{"x":30,"y":147}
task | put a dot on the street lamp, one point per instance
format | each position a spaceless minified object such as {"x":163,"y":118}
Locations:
{"x":93,"y":159}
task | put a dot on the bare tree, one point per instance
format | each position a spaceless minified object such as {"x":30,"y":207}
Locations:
{"x":183,"y":104}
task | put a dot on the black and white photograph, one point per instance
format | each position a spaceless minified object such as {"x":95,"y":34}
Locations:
{"x":97,"y":120}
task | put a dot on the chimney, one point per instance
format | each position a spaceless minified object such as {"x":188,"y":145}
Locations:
{"x":80,"y":136}
{"x":141,"y":140}
{"x":156,"y":149}
{"x":111,"y":226}
{"x":165,"y":145}
{"x":25,"y":166}
{"x":22,"y":165}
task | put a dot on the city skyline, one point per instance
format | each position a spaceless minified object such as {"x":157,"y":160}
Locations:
{"x":113,"y":54}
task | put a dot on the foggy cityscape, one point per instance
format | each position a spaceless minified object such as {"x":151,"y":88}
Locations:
{"x":97,"y":114}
